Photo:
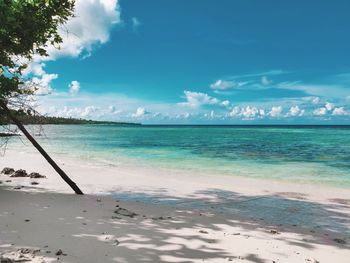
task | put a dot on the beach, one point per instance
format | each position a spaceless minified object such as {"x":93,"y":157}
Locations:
{"x":142,"y":214}
{"x":174,"y":131}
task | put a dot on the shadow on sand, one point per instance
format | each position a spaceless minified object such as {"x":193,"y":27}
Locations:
{"x":161,"y":239}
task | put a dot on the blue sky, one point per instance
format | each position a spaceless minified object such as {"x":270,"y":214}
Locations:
{"x":198,"y":61}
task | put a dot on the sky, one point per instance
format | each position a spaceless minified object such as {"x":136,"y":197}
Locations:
{"x":200,"y":62}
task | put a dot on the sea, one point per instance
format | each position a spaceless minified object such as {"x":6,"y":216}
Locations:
{"x":307,"y":154}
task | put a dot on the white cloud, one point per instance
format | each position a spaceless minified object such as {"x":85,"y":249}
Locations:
{"x":73,"y":112}
{"x":225,"y":103}
{"x":74,"y":87}
{"x":113,"y":110}
{"x":340,"y":112}
{"x":247,"y":113}
{"x":35,"y":68}
{"x":329,"y":106}
{"x":140,"y":112}
{"x":320,"y":111}
{"x":315,"y":100}
{"x":275,"y":111}
{"x":235,"y":111}
{"x":210,"y":115}
{"x":197,"y":99}
{"x":42,"y":84}
{"x":89,"y":111}
{"x":295,"y":111}
{"x":90,"y":26}
{"x":265,"y":81}
{"x":135,"y":23}
{"x":223,"y":85}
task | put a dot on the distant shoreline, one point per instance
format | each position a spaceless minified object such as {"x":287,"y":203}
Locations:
{"x":46,"y":120}
{"x":252,"y":125}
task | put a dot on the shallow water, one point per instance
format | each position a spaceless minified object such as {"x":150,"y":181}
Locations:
{"x":317,"y":155}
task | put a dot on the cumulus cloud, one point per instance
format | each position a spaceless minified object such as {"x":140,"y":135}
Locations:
{"x":247,"y":113}
{"x":197,"y":99}
{"x":329,"y":106}
{"x":74,"y":87}
{"x":295,"y":111}
{"x":235,"y":111}
{"x":42,"y":84}
{"x":140,"y":112}
{"x":340,"y":111}
{"x":315,"y":100}
{"x":225,"y":103}
{"x":73,"y":112}
{"x":90,"y":26}
{"x":275,"y":111}
{"x":35,"y":68}
{"x":320,"y":111}
{"x":210,"y":115}
{"x":113,"y":110}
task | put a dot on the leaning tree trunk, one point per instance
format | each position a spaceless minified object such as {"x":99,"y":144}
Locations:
{"x":40,"y":149}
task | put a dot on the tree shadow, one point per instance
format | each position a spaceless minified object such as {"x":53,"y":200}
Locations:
{"x":182,"y":233}
{"x":287,"y":211}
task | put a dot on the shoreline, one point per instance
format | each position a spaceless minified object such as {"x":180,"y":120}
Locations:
{"x":181,"y":217}
{"x":177,"y":182}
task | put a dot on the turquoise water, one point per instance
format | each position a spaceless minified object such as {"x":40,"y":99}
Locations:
{"x":316,"y":155}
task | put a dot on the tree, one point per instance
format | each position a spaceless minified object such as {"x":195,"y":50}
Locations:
{"x":27,"y":29}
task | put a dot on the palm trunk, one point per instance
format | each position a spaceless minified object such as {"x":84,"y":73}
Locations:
{"x":40,"y":149}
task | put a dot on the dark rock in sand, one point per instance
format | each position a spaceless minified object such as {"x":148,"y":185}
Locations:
{"x":125,"y":212}
{"x":5,"y":260}
{"x":36,"y":175}
{"x":27,"y":253}
{"x":339,"y":241}
{"x":274,"y":232}
{"x":59,"y":252}
{"x":19,"y":173}
{"x":34,"y":183}
{"x":8,"y":171}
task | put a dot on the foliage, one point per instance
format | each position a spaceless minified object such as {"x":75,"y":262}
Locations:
{"x":30,"y":118}
{"x":27,"y":28}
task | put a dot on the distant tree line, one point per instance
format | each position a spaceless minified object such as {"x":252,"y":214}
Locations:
{"x":28,"y":118}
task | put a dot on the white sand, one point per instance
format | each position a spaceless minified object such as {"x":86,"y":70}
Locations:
{"x":215,"y":218}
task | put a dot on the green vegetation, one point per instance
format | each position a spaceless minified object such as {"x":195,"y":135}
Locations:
{"x":26,"y":29}
{"x":26,"y":118}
